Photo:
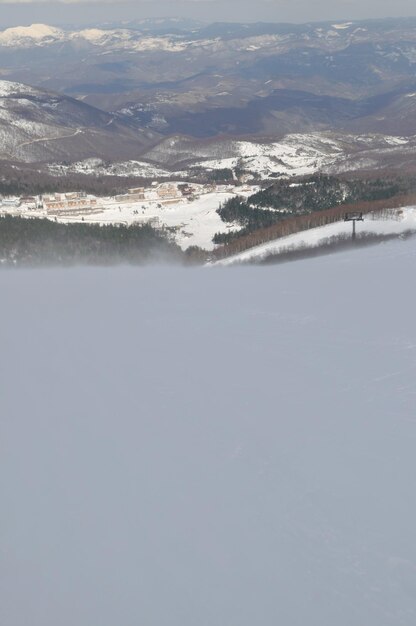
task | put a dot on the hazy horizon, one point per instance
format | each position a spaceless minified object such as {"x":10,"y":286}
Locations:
{"x":85,"y":12}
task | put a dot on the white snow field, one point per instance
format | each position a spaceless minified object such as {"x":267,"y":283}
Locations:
{"x":211,"y":447}
{"x":194,"y":223}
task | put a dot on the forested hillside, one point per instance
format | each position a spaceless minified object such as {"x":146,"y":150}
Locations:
{"x":286,"y":199}
{"x":42,"y":242}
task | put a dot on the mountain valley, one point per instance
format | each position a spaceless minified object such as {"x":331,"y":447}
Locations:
{"x":108,"y":108}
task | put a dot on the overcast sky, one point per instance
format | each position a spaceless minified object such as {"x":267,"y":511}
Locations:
{"x":72,"y":11}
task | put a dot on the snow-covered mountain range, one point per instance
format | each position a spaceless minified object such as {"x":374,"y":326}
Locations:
{"x":248,"y":37}
{"x":42,"y":35}
{"x":233,"y":79}
{"x":266,"y":98}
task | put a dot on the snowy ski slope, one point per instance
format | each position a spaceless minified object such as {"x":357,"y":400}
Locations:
{"x":223,"y":447}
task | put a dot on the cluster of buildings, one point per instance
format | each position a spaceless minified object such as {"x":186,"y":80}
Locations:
{"x":50,"y":204}
{"x":167,"y":193}
{"x":81,"y":202}
{"x":143,"y":202}
{"x":58,"y":202}
{"x":14,"y":202}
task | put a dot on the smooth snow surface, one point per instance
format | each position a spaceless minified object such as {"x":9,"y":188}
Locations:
{"x":220,"y":447}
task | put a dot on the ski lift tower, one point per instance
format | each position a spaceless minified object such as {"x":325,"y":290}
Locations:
{"x":353,"y":217}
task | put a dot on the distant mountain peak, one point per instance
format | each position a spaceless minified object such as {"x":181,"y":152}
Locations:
{"x":30,"y":34}
{"x":93,"y":34}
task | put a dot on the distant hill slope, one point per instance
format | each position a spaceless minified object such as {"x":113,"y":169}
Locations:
{"x":38,"y":125}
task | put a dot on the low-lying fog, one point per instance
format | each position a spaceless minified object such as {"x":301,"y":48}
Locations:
{"x":210,"y":447}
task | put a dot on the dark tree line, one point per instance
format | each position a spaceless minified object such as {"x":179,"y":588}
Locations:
{"x":43,"y":242}
{"x":29,"y":182}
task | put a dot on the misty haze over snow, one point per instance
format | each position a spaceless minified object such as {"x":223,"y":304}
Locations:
{"x":210,"y":446}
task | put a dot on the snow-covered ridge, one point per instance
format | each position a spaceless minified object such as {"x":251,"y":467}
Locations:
{"x":36,"y":33}
{"x":95,"y":35}
{"x":44,"y":35}
{"x":24,"y":121}
{"x":10,"y":88}
{"x":133,"y":40}
{"x":299,"y":154}
{"x":35,"y":125}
